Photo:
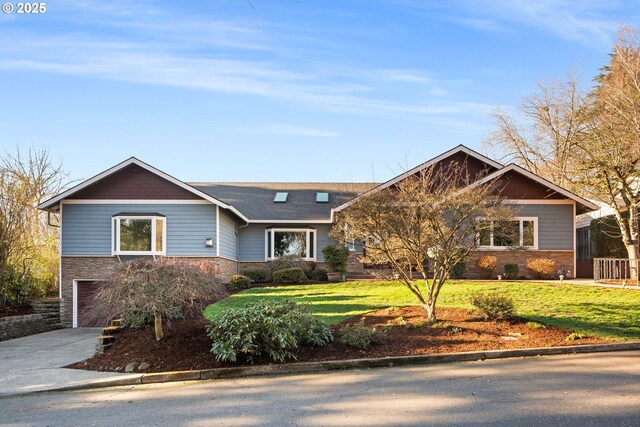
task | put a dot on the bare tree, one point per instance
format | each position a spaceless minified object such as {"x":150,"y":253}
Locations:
{"x":26,"y":240}
{"x":609,"y":153}
{"x":544,"y":141}
{"x":589,"y":143}
{"x":432,"y":215}
{"x":157,"y":288}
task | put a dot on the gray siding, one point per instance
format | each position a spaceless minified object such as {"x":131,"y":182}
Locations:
{"x":228,"y":241}
{"x":252,"y":239}
{"x":252,"y":242}
{"x":555,"y":225}
{"x":86,"y":228}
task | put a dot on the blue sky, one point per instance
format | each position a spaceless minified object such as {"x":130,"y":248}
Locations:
{"x":283,"y":90}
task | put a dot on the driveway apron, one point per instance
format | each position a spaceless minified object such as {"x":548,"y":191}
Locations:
{"x":35,"y":363}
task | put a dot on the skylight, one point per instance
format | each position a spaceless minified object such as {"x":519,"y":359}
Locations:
{"x":322,"y":197}
{"x":281,"y":197}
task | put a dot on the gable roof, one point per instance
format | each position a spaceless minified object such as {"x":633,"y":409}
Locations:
{"x":459,"y":149}
{"x":586,"y":205}
{"x":255,"y":199}
{"x":52,"y":202}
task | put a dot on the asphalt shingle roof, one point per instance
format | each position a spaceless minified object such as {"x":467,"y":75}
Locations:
{"x":255,"y":199}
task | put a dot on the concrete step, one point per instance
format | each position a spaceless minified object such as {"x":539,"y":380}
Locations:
{"x":117,"y":322}
{"x":111,"y":330}
{"x":105,"y":339}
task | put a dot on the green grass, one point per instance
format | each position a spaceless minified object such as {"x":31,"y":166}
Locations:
{"x":608,"y":313}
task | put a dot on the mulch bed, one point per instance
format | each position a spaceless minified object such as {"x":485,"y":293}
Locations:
{"x":19,"y":310}
{"x":186,"y":345}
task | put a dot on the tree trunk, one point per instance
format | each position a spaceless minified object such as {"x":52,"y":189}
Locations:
{"x":430,"y":308}
{"x":157,"y":322}
{"x":632,"y":253}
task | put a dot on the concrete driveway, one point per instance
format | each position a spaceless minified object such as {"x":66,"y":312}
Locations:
{"x":34,"y":363}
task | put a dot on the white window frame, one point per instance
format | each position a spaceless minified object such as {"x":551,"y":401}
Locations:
{"x":308,"y":232}
{"x":520,"y":219}
{"x":115,"y":235}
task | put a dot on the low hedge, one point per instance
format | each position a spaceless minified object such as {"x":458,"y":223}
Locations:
{"x":238,"y":282}
{"x":257,"y":274}
{"x":289,"y":275}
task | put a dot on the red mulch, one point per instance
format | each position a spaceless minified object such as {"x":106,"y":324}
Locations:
{"x":186,"y":345}
{"x":19,"y":310}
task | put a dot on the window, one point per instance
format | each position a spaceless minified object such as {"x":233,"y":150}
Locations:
{"x":322,"y":197}
{"x":290,"y":242}
{"x":521,"y":232}
{"x":280,"y":197}
{"x":139,"y":234}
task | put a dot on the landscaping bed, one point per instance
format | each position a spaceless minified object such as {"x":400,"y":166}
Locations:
{"x":187,"y":347}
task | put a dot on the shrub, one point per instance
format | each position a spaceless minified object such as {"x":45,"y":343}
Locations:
{"x":160,"y":289}
{"x":511,"y":271}
{"x":574,"y":336}
{"x":541,"y":268}
{"x":359,"y":335}
{"x":397,"y":321}
{"x":274,"y":329}
{"x":237,"y":282}
{"x":487,"y":264}
{"x":289,"y":275}
{"x":289,"y":261}
{"x":493,"y":306}
{"x":336,"y":258}
{"x":457,"y":271}
{"x":257,"y":274}
{"x":319,"y":274}
{"x":535,"y":325}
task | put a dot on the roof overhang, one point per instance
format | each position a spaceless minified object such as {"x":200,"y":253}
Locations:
{"x":53,"y":202}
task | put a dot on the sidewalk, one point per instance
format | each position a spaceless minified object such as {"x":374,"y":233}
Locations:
{"x":34,"y":363}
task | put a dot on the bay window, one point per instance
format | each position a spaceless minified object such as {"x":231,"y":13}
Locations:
{"x":143,"y":234}
{"x":298,"y":242}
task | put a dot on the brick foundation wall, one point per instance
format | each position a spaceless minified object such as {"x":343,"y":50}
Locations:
{"x":45,"y":317}
{"x":99,"y":268}
{"x":562,"y":259}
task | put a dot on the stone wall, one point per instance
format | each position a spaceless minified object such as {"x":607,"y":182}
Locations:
{"x":99,"y":268}
{"x":354,"y":264}
{"x":562,"y":259}
{"x":45,"y":317}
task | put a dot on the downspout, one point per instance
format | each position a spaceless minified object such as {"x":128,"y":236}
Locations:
{"x":238,"y":245}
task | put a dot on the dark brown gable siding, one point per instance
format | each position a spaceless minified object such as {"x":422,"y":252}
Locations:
{"x":134,"y":182}
{"x":513,"y":185}
{"x":475,"y":167}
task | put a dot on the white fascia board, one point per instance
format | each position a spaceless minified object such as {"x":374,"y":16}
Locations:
{"x":132,"y":160}
{"x":459,"y":148}
{"x":538,"y":179}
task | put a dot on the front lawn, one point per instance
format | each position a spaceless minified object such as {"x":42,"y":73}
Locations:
{"x":608,"y":313}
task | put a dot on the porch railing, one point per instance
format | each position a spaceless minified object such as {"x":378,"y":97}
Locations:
{"x":621,"y":271}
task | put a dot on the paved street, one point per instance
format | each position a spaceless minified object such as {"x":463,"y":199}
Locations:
{"x":580,"y":390}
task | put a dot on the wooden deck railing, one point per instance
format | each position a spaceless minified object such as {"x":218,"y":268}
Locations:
{"x":616,"y":270}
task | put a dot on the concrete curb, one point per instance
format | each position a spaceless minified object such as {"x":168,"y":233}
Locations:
{"x":332,"y":365}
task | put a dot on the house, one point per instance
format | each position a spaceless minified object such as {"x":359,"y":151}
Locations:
{"x":598,"y":236}
{"x":134,"y":209}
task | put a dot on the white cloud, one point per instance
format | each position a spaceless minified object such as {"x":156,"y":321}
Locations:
{"x":219,"y":56}
{"x":584,"y":21}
